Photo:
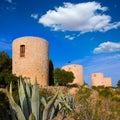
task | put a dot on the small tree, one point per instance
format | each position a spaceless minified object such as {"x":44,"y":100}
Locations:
{"x":63,"y":77}
{"x":6,"y":75}
{"x":5,"y":62}
{"x":118,"y":84}
{"x":51,"y":77}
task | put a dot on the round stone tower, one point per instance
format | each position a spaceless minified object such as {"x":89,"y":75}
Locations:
{"x":30,"y":59}
{"x":77,"y":71}
{"x":97,"y":79}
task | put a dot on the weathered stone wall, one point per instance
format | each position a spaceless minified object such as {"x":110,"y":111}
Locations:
{"x":108,"y":82}
{"x":77,"y":70}
{"x":97,"y":79}
{"x":35,"y":62}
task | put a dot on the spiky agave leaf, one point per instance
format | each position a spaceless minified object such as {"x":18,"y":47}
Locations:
{"x":35,"y":102}
{"x":48,"y":106}
{"x":28,"y":87}
{"x":66,"y":105}
{"x":32,"y":117}
{"x":70,"y":100}
{"x":23,"y":99}
{"x":15,"y":107}
{"x":11,"y":110}
{"x":63,"y":102}
{"x":28,"y":95}
{"x":43,"y":101}
{"x":10,"y":89}
{"x":54,"y":109}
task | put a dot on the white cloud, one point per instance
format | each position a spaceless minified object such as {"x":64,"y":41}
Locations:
{"x":11,"y":6}
{"x":69,"y":37}
{"x":82,"y":17}
{"x":35,"y":16}
{"x":107,"y":47}
{"x":9,"y":1}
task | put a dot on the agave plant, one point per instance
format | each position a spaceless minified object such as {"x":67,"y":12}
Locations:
{"x":32,"y":106}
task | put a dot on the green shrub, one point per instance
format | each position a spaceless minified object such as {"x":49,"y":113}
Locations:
{"x":106,"y":92}
{"x":3,"y":106}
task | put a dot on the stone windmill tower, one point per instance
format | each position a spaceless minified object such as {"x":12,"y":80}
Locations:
{"x":77,"y":71}
{"x":30,"y":59}
{"x":98,"y":79}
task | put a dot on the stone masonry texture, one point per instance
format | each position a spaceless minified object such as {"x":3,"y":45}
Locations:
{"x":35,"y":62}
{"x":108,"y":82}
{"x":98,"y":79}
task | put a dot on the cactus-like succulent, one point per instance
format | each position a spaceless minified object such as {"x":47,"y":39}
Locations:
{"x":35,"y":107}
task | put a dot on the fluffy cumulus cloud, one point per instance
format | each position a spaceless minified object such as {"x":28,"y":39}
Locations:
{"x":35,"y":16}
{"x":107,"y":47}
{"x":82,"y":17}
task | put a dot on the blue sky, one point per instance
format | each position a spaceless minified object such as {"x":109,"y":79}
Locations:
{"x":78,"y":31}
